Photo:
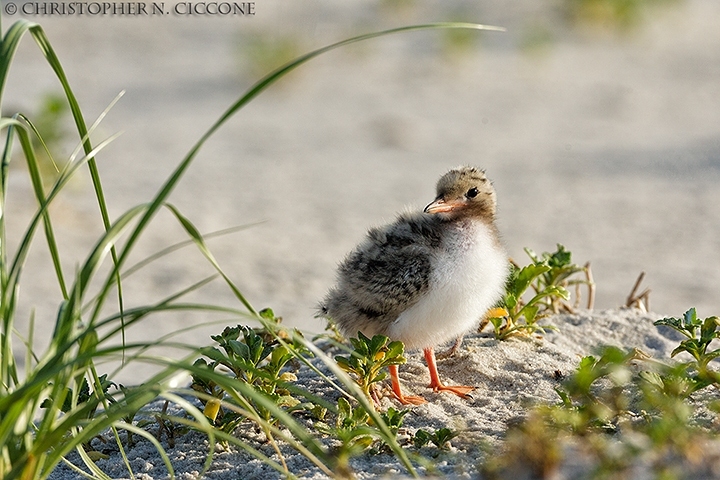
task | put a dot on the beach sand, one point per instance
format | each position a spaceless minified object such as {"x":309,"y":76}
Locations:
{"x":511,"y":377}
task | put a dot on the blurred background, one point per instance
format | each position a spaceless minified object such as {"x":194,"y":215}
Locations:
{"x":597,"y":120}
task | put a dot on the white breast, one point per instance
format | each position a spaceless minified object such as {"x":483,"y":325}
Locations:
{"x":467,"y":278}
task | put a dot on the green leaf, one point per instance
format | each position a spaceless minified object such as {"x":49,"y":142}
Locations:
{"x":213,"y":354}
{"x":343,"y":362}
{"x":668,"y":322}
{"x":344,"y":408}
{"x":239,"y":349}
{"x":267,"y":314}
{"x":529,"y":312}
{"x":421,"y":438}
{"x":690,"y":317}
{"x":526,"y":276}
{"x":395,"y":349}
{"x":376,"y":344}
{"x":708,"y":330}
{"x":560,"y":258}
{"x":712,"y":355}
{"x":533,"y":256}
{"x":678,"y":349}
{"x":510,"y":301}
{"x":442,"y":436}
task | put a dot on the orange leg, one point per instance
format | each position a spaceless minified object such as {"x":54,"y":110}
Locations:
{"x":436,"y":384}
{"x":405,"y":400}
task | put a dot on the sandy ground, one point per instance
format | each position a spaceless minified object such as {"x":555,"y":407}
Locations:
{"x":511,"y":377}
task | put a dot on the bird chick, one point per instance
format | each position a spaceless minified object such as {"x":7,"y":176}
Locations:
{"x":428,"y":277}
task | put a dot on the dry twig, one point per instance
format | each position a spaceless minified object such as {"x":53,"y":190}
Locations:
{"x":640,"y":301}
{"x":591,"y":286}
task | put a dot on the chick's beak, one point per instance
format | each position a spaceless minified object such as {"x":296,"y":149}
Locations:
{"x":441,"y":206}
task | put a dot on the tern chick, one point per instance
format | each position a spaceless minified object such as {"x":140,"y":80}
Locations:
{"x":427,"y":278}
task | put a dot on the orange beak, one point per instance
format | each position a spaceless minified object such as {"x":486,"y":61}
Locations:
{"x":441,"y":206}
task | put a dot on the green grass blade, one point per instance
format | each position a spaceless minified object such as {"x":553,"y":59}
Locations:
{"x":8,"y":48}
{"x":36,"y":180}
{"x":42,"y":41}
{"x":93,"y":262}
{"x":5,"y":162}
{"x":52,"y":59}
{"x":195,"y":235}
{"x":179,"y":245}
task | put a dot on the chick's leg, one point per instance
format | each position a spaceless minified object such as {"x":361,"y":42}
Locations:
{"x":405,"y":400}
{"x":436,"y":384}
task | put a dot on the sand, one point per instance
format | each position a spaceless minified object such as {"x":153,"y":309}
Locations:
{"x":511,"y":376}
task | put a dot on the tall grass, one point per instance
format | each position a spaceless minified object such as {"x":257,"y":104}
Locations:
{"x":44,"y":412}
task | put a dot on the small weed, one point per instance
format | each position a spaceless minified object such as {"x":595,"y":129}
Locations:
{"x":394,"y":418}
{"x":83,"y":396}
{"x":559,"y":275}
{"x":356,"y":433}
{"x":254,"y":357}
{"x":170,"y":429}
{"x":440,"y":438}
{"x":700,"y":334}
{"x":595,"y":395}
{"x":547,"y":278}
{"x":690,"y":326}
{"x":368,"y":360}
{"x":353,"y":433}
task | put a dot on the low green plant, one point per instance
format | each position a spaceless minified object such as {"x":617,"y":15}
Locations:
{"x":82,"y":396}
{"x":700,"y":334}
{"x":545,"y":281}
{"x":254,"y":357}
{"x":356,"y":432}
{"x":352,"y":433}
{"x":440,"y":438}
{"x":369,"y":359}
{"x":562,"y":273}
{"x":589,"y":404}
{"x":394,"y":418}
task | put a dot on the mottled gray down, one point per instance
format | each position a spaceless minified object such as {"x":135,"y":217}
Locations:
{"x":384,"y":275}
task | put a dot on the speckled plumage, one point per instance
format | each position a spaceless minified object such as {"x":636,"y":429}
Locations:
{"x":428,"y":277}
{"x":384,"y":275}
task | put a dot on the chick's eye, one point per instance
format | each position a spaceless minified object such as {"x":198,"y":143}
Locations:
{"x":472,"y":193}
